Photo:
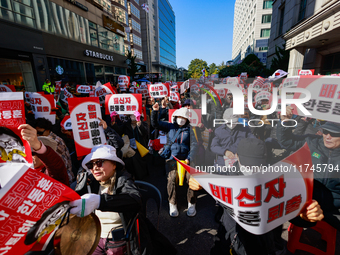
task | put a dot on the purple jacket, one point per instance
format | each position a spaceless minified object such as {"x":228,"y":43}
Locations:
{"x":228,"y":139}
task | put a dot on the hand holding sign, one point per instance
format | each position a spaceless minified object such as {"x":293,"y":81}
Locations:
{"x":29,"y":134}
{"x":102,"y":123}
{"x":289,"y":113}
{"x":314,"y":212}
{"x":194,"y":185}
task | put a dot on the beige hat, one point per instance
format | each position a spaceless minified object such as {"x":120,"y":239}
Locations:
{"x":47,"y":141}
{"x":182,"y":112}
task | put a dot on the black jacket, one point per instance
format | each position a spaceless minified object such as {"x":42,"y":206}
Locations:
{"x":326,"y":178}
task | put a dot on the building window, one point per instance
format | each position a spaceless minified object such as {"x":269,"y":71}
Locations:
{"x":265,"y":32}
{"x":266,"y":18}
{"x":137,"y":40}
{"x":302,"y":11}
{"x":267,"y":4}
{"x":93,"y":34}
{"x":282,"y":13}
{"x":138,"y":54}
{"x":135,"y":25}
{"x":120,"y":14}
{"x":135,"y":11}
{"x":263,"y":48}
{"x":137,"y":1}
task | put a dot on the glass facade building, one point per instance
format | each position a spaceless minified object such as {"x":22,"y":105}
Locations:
{"x":167,"y":34}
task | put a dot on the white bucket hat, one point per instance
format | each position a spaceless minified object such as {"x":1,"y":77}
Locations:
{"x":182,"y":112}
{"x":102,"y":152}
{"x":228,"y":115}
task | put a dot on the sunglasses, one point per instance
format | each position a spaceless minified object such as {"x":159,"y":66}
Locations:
{"x":326,"y":132}
{"x":98,"y":163}
{"x":41,"y":132}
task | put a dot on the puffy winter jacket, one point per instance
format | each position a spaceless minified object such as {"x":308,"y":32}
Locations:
{"x":228,"y":139}
{"x":326,"y":183}
{"x":185,"y":145}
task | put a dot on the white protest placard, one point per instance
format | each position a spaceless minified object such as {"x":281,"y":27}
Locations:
{"x":306,"y":72}
{"x":291,"y":82}
{"x":7,"y":88}
{"x":84,"y":114}
{"x":325,"y":94}
{"x":67,"y":95}
{"x":263,"y":200}
{"x":143,"y":91}
{"x":174,"y":96}
{"x":159,"y":90}
{"x":103,"y":90}
{"x":123,"y":103}
{"x":263,"y":95}
{"x":42,"y":105}
{"x":83,"y":89}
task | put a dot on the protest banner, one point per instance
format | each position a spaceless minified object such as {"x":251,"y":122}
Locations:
{"x":124,"y":82}
{"x":291,"y":82}
{"x":7,"y":88}
{"x":42,"y":105}
{"x":83,"y":89}
{"x":57,"y":87}
{"x":194,"y":88}
{"x":174,"y":96}
{"x":243,"y":76}
{"x":67,"y":95}
{"x":159,"y":90}
{"x":325,"y":94}
{"x":103,"y":90}
{"x":263,"y":95}
{"x":12,"y":114}
{"x":143,"y":91}
{"x":195,"y":116}
{"x":87,"y":133}
{"x":123,"y":103}
{"x":306,"y":72}
{"x":31,"y":207}
{"x":263,"y":200}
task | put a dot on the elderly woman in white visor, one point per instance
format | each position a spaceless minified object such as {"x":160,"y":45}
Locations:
{"x":116,"y":200}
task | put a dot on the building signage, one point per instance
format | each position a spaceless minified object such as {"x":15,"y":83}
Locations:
{"x":81,"y":6}
{"x":113,"y":25}
{"x":262,"y":43}
{"x":94,"y":54}
{"x":59,"y":70}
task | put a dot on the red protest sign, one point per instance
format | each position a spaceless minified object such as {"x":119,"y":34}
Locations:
{"x":31,"y":207}
{"x":102,"y":91}
{"x":12,"y":114}
{"x":195,"y":116}
{"x":123,"y":103}
{"x":159,"y":90}
{"x":83,"y":89}
{"x":144,"y":92}
{"x":87,"y":133}
{"x":42,"y":105}
{"x":7,"y":88}
{"x":306,"y":72}
{"x":174,"y":96}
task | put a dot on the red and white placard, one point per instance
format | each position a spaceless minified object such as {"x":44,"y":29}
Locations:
{"x":67,"y":95}
{"x":291,"y":82}
{"x":87,"y":133}
{"x":83,"y":89}
{"x":174,"y":96}
{"x":25,"y":196}
{"x":123,"y":103}
{"x":263,"y":95}
{"x":159,"y":90}
{"x":103,"y":90}
{"x":325,"y":94}
{"x":262,"y":201}
{"x":12,"y":115}
{"x":195,"y":116}
{"x":306,"y":72}
{"x":42,"y":105}
{"x":143,"y":91}
{"x":7,"y":88}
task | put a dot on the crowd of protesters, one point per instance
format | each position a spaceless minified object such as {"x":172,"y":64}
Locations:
{"x":117,"y":164}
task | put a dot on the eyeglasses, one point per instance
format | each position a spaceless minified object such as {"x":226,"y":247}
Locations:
{"x":98,"y":163}
{"x":326,"y":132}
{"x":41,"y":132}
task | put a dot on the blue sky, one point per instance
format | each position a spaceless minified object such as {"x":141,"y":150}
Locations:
{"x":204,"y":30}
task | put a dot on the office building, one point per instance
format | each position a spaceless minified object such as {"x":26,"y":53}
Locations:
{"x":310,"y":31}
{"x":159,"y":39}
{"x":73,"y":41}
{"x":252,"y":23}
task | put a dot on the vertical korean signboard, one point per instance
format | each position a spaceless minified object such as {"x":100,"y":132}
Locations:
{"x":85,"y":124}
{"x":12,"y":114}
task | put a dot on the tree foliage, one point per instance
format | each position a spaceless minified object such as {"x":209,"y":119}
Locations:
{"x":133,"y":68}
{"x":213,"y":69}
{"x":251,"y":64}
{"x":281,"y":59}
{"x":195,"y":68}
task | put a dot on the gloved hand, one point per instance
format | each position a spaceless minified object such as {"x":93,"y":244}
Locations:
{"x":86,"y":205}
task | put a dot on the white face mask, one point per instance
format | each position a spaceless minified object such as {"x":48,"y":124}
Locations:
{"x":181,"y":121}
